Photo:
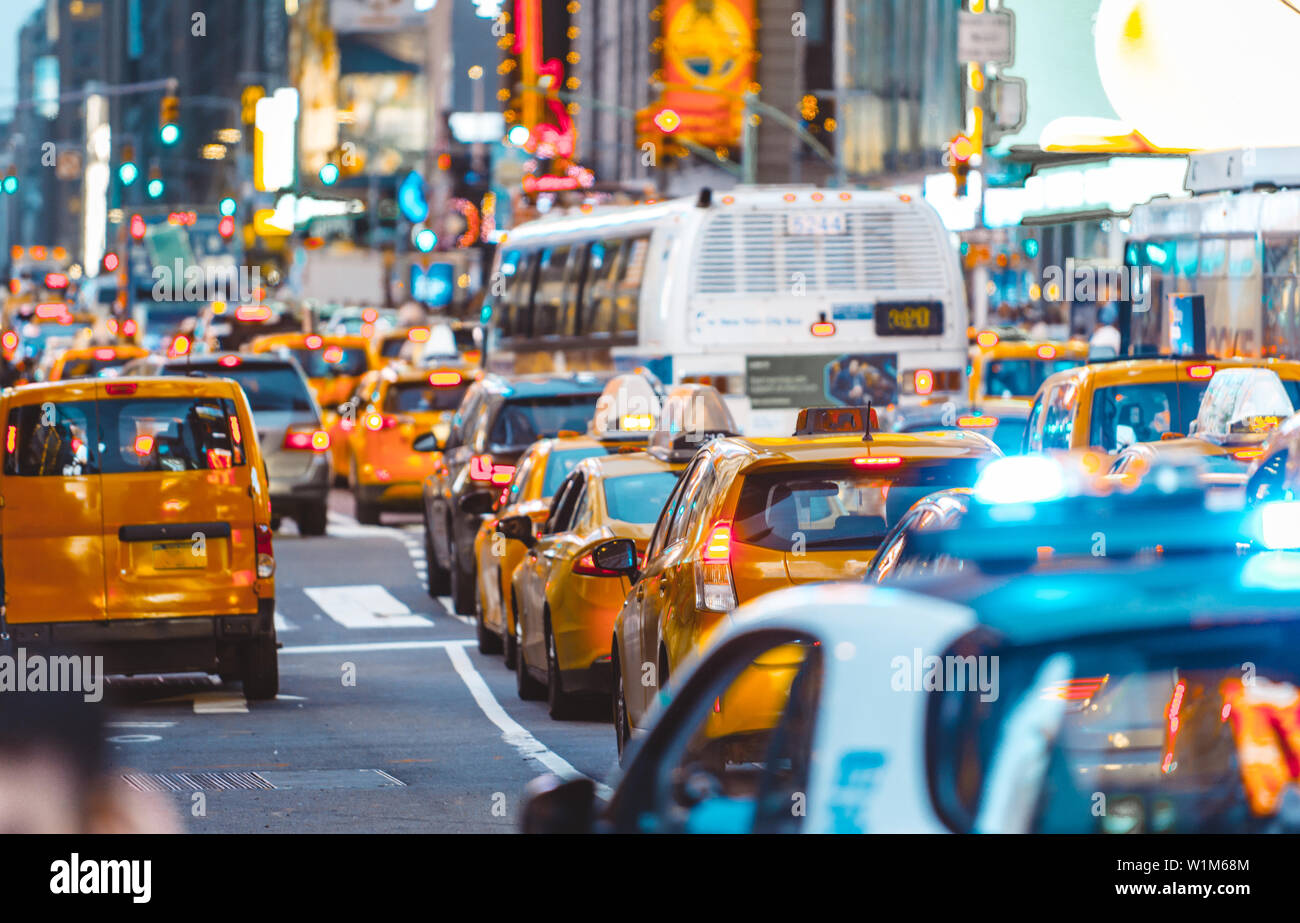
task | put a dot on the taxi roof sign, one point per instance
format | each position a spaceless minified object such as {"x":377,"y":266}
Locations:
{"x":833,"y":421}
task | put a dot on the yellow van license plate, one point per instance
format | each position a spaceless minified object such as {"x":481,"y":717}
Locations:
{"x":179,"y":555}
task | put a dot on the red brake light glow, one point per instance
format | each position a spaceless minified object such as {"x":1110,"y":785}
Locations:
{"x":52,"y":310}
{"x":717,"y":550}
{"x":313,"y":342}
{"x":418,"y":334}
{"x":1200,"y":371}
{"x":143,"y":446}
{"x":480,"y":468}
{"x":1074,"y":690}
{"x":502,"y":474}
{"x":105,"y":353}
{"x":878,"y":461}
{"x":1046,"y":352}
{"x":229,"y":361}
{"x":987,"y":338}
{"x":10,"y":340}
{"x":320,"y":440}
{"x":444,"y":379}
{"x":977,"y":422}
{"x":252,"y":312}
{"x":180,"y":346}
{"x":823,"y":329}
{"x":924,"y":381}
{"x":118,"y":388}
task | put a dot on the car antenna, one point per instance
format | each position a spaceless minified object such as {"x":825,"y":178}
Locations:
{"x":866,"y":424}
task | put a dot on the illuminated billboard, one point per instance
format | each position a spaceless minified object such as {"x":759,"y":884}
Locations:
{"x":707,"y":49}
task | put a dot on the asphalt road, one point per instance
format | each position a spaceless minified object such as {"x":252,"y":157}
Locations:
{"x":388,"y":719}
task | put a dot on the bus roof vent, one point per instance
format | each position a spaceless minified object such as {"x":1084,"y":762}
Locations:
{"x":1244,"y":168}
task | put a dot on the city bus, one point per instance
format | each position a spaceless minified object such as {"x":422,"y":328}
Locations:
{"x":779,"y":297}
{"x":1236,"y":241}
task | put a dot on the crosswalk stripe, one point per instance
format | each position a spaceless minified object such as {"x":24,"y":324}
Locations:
{"x":365,"y":606}
{"x":219,"y":703}
{"x":282,"y":624}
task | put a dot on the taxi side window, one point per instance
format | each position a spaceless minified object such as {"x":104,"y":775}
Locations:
{"x":659,"y":537}
{"x":693,"y":494}
{"x":721,"y":774}
{"x":52,"y":440}
{"x":566,"y":501}
{"x":1034,"y":427}
{"x":581,"y":510}
{"x":464,"y":418}
{"x":1058,"y":418}
{"x":521,"y":478}
{"x":882,"y":568}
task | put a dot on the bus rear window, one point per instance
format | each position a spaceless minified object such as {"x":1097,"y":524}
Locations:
{"x":830,"y":508}
{"x":1022,"y":377}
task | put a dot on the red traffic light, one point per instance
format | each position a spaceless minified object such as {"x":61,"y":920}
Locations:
{"x":137,"y":227}
{"x":226,"y":226}
{"x":111,"y":262}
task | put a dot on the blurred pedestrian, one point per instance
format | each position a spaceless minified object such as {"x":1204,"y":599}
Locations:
{"x":1106,"y":339}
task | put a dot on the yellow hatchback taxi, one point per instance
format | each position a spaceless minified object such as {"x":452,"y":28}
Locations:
{"x":1005,"y":367}
{"x":333,"y":364}
{"x":94,"y":362}
{"x":135,"y":524}
{"x":565,"y":604}
{"x":385,"y":470}
{"x":753,"y":515}
{"x":1099,"y":409}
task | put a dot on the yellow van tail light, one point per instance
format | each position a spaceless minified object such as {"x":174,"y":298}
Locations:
{"x":714,"y":587}
{"x":265,"y":553}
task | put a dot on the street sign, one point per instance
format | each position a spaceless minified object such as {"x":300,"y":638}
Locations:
{"x":987,"y":38}
{"x":1007,"y":101}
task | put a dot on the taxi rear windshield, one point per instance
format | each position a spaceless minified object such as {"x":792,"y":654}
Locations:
{"x":826,"y":508}
{"x":1012,"y":377}
{"x":332,"y":361}
{"x":639,"y":497}
{"x":560,"y":463}
{"x":522,"y":421}
{"x":422,"y":397}
{"x":269,"y":385}
{"x":117,"y":436}
{"x":92,"y":368}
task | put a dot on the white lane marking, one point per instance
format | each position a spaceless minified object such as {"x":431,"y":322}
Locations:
{"x":445,"y":602}
{"x":512,"y":732}
{"x":282,"y":624}
{"x":365,"y":606}
{"x":372,"y":646}
{"x":219,"y":703}
{"x":141,"y":724}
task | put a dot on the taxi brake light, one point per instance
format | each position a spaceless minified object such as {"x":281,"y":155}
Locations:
{"x":180,"y":346}
{"x":252,"y":312}
{"x":105,"y":353}
{"x":987,"y":338}
{"x":320,"y":440}
{"x":313,"y":342}
{"x":502,"y":474}
{"x":878,"y":461}
{"x":120,"y":388}
{"x":10,"y":340}
{"x":377,"y":421}
{"x":717,"y":550}
{"x":924,"y":381}
{"x":480,"y":468}
{"x":444,"y":379}
{"x":228,"y":361}
{"x":11,"y":439}
{"x":418,"y":334}
{"x":1047,"y":352}
{"x":128,"y":327}
{"x":977,"y":422}
{"x":265,"y":551}
{"x":1200,"y":371}
{"x":1247,"y":454}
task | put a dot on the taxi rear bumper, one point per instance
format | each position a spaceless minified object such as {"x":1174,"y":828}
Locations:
{"x":183,"y":644}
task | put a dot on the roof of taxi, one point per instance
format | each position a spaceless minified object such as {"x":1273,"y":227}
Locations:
{"x":273,"y":340}
{"x":795,"y":449}
{"x":131,"y":349}
{"x":620,"y":464}
{"x":401,"y":372}
{"x":1161,"y":368}
{"x":166,"y":382}
{"x":1069,"y":349}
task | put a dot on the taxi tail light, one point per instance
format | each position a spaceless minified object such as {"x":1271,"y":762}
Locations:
{"x":444,"y":379}
{"x":715,"y":590}
{"x":118,"y":388}
{"x":503,"y":474}
{"x":377,"y":421}
{"x":265,"y":553}
{"x":987,"y":339}
{"x":977,"y":422}
{"x":1200,"y":371}
{"x":481,"y":468}
{"x":307,"y":440}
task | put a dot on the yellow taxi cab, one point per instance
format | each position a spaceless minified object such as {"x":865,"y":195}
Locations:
{"x":754,"y":515}
{"x":628,"y":408}
{"x":401,"y":405}
{"x":1095,"y":411}
{"x":1239,"y":410}
{"x":1004,"y":366}
{"x":94,"y":361}
{"x":565,"y":604}
{"x":333,"y":364}
{"x":136,"y":526}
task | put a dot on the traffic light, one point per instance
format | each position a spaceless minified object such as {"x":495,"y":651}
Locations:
{"x":425,"y":240}
{"x":960,"y":151}
{"x":226,"y":227}
{"x":169,"y":116}
{"x":10,"y":182}
{"x":156,"y":185}
{"x":110,"y":262}
{"x":137,"y":227}
{"x":226,"y":207}
{"x":329,"y":174}
{"x":127,"y":171}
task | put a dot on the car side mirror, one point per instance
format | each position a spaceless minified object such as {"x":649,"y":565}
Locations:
{"x":618,"y":556}
{"x":479,"y":503}
{"x":426,"y":442}
{"x":553,"y":805}
{"x":520,"y":528}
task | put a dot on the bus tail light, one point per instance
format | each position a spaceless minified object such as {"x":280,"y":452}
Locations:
{"x":265,"y":553}
{"x":714,"y":588}
{"x":823,"y":328}
{"x":923,"y":381}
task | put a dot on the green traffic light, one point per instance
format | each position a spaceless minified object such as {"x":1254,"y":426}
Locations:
{"x":329,"y":174}
{"x":127,"y":173}
{"x":10,"y":185}
{"x":155,"y":188}
{"x":425,"y":240}
{"x":226,"y":207}
{"x":169,"y":133}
